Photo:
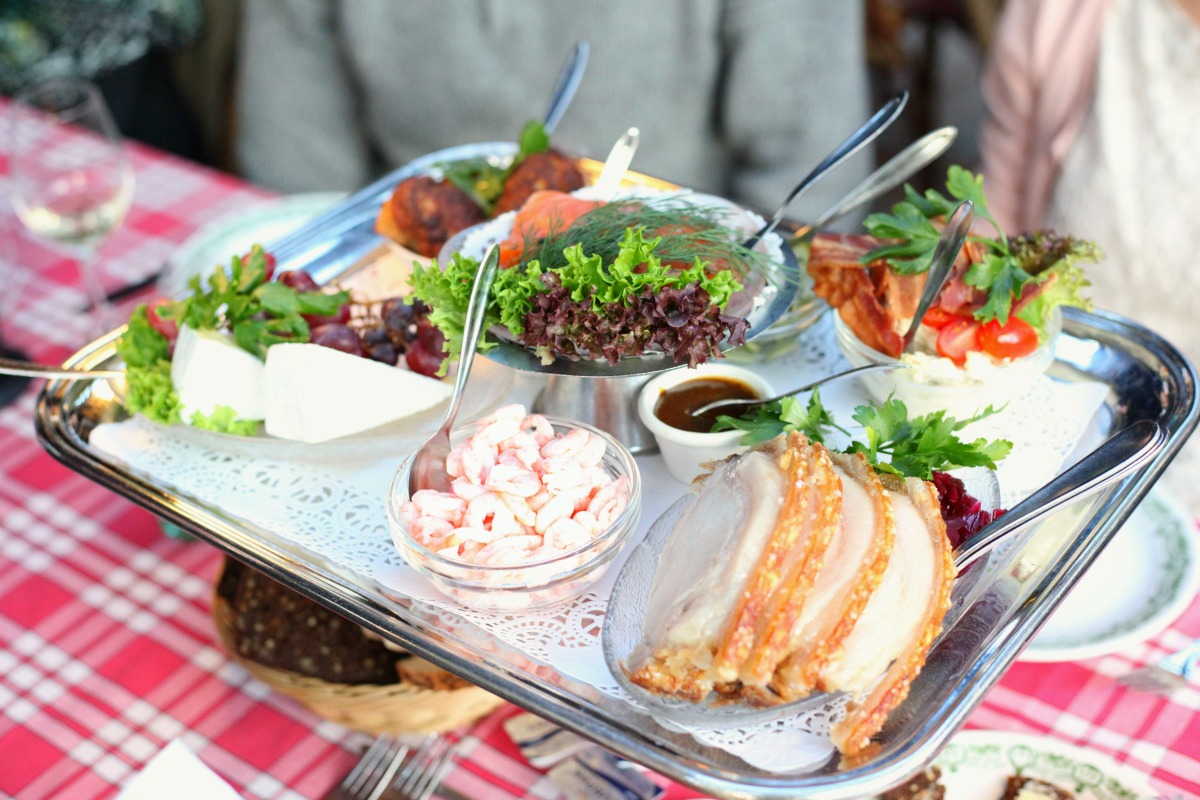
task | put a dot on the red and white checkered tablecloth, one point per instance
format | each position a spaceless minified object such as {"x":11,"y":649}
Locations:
{"x":108,"y":651}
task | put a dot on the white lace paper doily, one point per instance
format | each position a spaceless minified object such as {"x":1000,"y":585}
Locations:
{"x":336,"y":511}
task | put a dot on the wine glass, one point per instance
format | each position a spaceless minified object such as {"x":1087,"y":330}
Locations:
{"x":72,"y":182}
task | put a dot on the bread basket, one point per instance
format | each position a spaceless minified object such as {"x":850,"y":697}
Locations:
{"x":438,"y":702}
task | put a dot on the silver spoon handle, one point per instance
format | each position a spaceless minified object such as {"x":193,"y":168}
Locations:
{"x":472,"y":329}
{"x":895,"y":171}
{"x":941,"y":262}
{"x":617,"y":164}
{"x":704,"y":409}
{"x":564,"y":88}
{"x":29,"y":369}
{"x":882,"y":118}
{"x":1125,"y":452}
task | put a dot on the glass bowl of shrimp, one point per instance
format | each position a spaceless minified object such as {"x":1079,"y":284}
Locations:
{"x":538,"y":508}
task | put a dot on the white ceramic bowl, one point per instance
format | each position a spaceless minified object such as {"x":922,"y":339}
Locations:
{"x":685,"y":451}
{"x":934,"y":383}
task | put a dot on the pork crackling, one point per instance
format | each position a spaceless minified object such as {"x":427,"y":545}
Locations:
{"x":796,"y":570}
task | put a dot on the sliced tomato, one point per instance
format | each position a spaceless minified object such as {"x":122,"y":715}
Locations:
{"x":1014,"y":340}
{"x":958,"y":337}
{"x":938,"y":317}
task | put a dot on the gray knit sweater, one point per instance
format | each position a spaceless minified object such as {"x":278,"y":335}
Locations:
{"x":740,"y":97}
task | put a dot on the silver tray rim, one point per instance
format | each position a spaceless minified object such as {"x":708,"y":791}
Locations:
{"x":62,"y":438}
{"x":61,"y":422}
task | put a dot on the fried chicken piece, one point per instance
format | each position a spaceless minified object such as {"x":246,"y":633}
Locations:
{"x":423,"y":213}
{"x":539,"y":172}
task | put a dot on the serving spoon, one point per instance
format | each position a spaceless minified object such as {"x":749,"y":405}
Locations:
{"x":617,"y":164}
{"x":1127,"y":451}
{"x":880,"y":120}
{"x":748,"y":404}
{"x":428,"y":469}
{"x":569,"y":78}
{"x":941,"y":262}
{"x":29,"y":369}
{"x":895,"y":171}
{"x":944,"y":253}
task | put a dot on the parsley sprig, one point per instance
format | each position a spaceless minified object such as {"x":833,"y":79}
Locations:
{"x":893,"y":442}
{"x":258,"y":312}
{"x":483,"y":180}
{"x":1004,"y":270}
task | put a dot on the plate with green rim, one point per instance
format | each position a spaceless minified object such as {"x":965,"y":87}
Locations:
{"x":977,"y":764}
{"x":1142,"y":581}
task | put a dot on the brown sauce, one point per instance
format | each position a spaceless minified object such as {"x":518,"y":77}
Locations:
{"x":675,"y":405}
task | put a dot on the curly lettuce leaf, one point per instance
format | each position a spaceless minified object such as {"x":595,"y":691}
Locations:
{"x":146,"y":354}
{"x":224,"y":420}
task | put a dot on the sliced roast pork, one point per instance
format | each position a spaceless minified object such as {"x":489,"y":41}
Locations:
{"x":794,"y":570}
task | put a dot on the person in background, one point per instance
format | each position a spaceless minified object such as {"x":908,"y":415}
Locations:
{"x":124,"y":46}
{"x":738,"y":98}
{"x":1092,"y":113}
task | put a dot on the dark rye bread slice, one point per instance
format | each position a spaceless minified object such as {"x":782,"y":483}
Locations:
{"x":278,"y":627}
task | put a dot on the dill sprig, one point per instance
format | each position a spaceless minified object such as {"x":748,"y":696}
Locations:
{"x":687,"y":232}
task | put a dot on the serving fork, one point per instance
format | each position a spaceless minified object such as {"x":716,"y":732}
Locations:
{"x":423,"y":772}
{"x":373,"y":773}
{"x":1168,"y":673}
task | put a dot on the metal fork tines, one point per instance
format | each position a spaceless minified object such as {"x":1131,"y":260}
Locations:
{"x":423,"y":772}
{"x":373,"y":772}
{"x":1168,"y":673}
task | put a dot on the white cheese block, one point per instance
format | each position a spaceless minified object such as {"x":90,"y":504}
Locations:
{"x":316,"y":393}
{"x":209,"y":370}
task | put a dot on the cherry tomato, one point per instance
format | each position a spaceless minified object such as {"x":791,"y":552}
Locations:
{"x":1016,"y":339}
{"x":169,"y":328}
{"x":938,"y":317}
{"x":959,"y":336}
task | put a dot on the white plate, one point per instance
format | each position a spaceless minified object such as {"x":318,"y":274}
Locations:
{"x":976,"y":765}
{"x":1141,"y":583}
{"x":234,"y":234}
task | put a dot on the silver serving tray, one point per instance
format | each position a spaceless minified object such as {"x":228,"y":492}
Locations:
{"x":1147,"y":378}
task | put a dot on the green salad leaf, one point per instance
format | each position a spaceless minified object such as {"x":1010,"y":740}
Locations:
{"x":257,"y":311}
{"x":224,"y":420}
{"x":146,"y":354}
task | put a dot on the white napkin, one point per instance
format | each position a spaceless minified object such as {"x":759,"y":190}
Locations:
{"x":178,"y":773}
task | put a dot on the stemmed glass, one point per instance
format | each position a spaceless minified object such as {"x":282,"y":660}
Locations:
{"x":72,"y":182}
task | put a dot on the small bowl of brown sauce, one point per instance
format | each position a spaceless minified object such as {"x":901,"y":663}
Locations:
{"x":686,"y":442}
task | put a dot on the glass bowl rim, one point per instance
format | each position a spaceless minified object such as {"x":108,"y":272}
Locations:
{"x":621,"y":527}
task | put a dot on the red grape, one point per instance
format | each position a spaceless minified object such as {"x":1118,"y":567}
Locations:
{"x":299,"y":280}
{"x":422,"y":361}
{"x":341,"y":317}
{"x":268,"y":263}
{"x":338,"y":337}
{"x":429,"y":337}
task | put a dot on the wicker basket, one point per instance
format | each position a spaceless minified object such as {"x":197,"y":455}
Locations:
{"x":374,"y":708}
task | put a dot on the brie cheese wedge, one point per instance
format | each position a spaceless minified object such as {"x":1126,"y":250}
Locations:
{"x":315,"y":393}
{"x":208,"y":370}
